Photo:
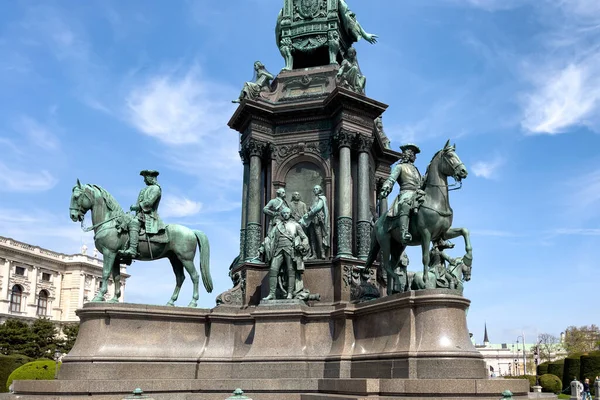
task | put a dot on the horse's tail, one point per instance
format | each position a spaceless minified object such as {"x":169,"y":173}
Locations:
{"x":204,"y":260}
{"x":374,"y":250}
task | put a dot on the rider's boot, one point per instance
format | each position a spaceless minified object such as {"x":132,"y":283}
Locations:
{"x":404,"y":219}
{"x":272,"y":287}
{"x":134,"y":235}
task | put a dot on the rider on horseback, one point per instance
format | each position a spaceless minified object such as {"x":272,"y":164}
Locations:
{"x":146,"y":209}
{"x":409,"y":178}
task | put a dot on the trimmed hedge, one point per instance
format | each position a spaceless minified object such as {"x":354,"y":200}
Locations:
{"x":571,"y":369}
{"x":550,"y":383}
{"x":39,"y":370}
{"x":7,"y":365}
{"x":556,"y":368}
{"x":542,"y":369}
{"x":590,"y":367}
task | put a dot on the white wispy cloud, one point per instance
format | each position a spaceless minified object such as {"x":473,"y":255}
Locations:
{"x":38,"y":134}
{"x":576,"y":231}
{"x":563,"y":98}
{"x":494,"y":233}
{"x":173,"y":206}
{"x":14,"y":180}
{"x":178,"y":108}
{"x":491,"y":5}
{"x":565,"y":76}
{"x":584,"y":191}
{"x":43,"y":228}
{"x":63,"y":36}
{"x":488,"y":169}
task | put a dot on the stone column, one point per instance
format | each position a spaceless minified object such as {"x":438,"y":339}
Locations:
{"x":344,"y":140}
{"x":363,"y":225}
{"x":81,"y":290}
{"x":255,"y":150}
{"x":58,"y":283}
{"x":5,"y":279}
{"x":33,"y":278}
{"x":245,"y":161}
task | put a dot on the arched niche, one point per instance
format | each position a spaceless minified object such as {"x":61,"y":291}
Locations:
{"x":302,"y":177}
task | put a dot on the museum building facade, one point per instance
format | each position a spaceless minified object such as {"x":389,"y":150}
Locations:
{"x":37,"y":282}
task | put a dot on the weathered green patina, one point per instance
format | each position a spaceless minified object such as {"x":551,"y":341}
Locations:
{"x":286,"y":244}
{"x":431,"y":221}
{"x":317,"y":32}
{"x":111,"y":234}
{"x":349,"y":75}
{"x":262,"y":81}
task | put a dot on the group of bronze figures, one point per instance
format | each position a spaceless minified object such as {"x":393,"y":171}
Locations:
{"x":419,"y":216}
{"x":349,"y":75}
{"x":295,"y":233}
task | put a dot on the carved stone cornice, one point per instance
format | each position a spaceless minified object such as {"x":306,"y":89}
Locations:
{"x":302,"y":125}
{"x":320,"y":148}
{"x":260,"y":126}
{"x":344,"y":138}
{"x":363,"y":143}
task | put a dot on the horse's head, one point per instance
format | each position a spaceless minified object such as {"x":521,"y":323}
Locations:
{"x":81,"y":202}
{"x":451,"y":164}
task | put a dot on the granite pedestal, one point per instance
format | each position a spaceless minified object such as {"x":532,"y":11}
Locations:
{"x":401,"y":346}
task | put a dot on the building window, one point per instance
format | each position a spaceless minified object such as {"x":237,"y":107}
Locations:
{"x":15,"y":298}
{"x":20,"y":271}
{"x":42,"y":305}
{"x":45,"y":277}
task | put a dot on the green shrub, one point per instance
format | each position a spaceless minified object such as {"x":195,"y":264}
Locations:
{"x":36,"y":370}
{"x":550,"y":383}
{"x":590,"y":366}
{"x":7,"y":365}
{"x":542,"y":369}
{"x":556,"y":368}
{"x":571,"y":369}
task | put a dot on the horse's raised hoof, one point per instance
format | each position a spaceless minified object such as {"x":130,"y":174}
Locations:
{"x":193,"y":303}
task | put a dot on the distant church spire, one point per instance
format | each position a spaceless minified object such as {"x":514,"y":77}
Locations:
{"x":486,"y":340}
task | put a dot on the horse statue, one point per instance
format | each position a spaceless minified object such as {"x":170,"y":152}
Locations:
{"x":108,"y":218}
{"x":432,"y":221}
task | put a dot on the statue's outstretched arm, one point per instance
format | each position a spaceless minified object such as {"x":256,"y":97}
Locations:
{"x":389,"y":182}
{"x":343,"y":9}
{"x":369,"y":37}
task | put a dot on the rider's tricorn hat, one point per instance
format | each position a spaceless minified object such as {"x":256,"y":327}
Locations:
{"x":149,"y":172}
{"x":410,"y":146}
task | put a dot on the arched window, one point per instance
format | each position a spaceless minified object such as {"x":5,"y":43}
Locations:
{"x":42,"y":305}
{"x":15,"y":298}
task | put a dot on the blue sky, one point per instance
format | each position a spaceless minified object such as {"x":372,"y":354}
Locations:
{"x":99,"y":90}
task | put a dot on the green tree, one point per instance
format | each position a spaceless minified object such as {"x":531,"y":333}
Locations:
{"x":549,"y":345}
{"x":46,"y":337}
{"x":16,"y":337}
{"x":70,"y":331}
{"x":582,"y":340}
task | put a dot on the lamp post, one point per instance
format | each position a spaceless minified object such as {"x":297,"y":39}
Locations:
{"x":524,"y":365}
{"x":57,"y":354}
